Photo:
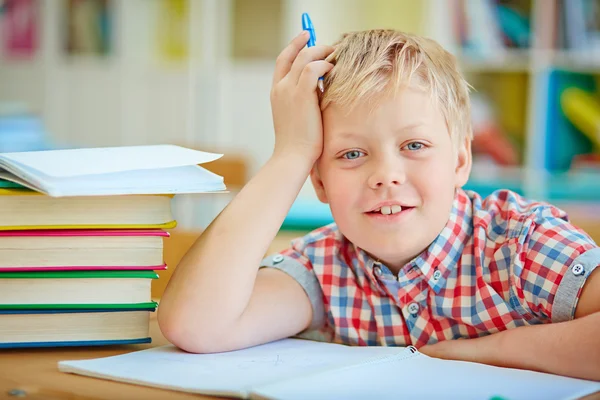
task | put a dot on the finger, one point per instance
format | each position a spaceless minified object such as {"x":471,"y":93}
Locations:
{"x":288,"y":55}
{"x":311,"y":74}
{"x":306,"y":56}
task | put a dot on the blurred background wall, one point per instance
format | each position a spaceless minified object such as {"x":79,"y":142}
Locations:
{"x":198,"y":73}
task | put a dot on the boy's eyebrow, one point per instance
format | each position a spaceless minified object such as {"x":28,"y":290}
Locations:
{"x":340,"y":136}
{"x":354,"y":135}
{"x":348,"y":135}
{"x":411,"y":126}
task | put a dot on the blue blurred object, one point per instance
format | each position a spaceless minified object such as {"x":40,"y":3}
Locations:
{"x":307,"y":214}
{"x":583,"y":186}
{"x":21,"y":131}
{"x":484,"y":188}
{"x":514,"y":25}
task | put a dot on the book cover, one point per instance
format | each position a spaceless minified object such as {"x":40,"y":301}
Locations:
{"x":74,"y":343}
{"x":11,"y":185}
{"x":74,"y":308}
{"x":79,"y":275}
{"x":161,"y":267}
{"x":153,"y":213}
{"x":166,"y":225}
{"x":87,"y":232}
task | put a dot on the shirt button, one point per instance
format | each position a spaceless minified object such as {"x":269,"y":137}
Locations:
{"x":413,"y":309}
{"x":377,"y":270}
{"x":578,"y":269}
{"x":437,"y":275}
{"x":277,"y":259}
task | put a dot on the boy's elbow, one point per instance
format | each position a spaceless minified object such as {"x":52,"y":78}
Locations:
{"x":175,"y":328}
{"x":181,"y":332}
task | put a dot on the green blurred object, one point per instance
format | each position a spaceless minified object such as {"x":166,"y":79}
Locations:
{"x":563,"y":139}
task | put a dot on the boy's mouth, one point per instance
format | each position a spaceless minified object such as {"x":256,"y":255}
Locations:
{"x":393,"y":214}
{"x":389,"y":210}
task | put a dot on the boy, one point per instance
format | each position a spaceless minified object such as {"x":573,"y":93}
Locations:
{"x":411,"y":257}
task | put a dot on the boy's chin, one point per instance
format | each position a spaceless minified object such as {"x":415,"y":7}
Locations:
{"x":398,"y":252}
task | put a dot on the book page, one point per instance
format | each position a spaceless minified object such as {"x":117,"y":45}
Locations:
{"x":232,"y":373}
{"x":104,"y":160}
{"x":176,"y":180}
{"x":421,"y":377}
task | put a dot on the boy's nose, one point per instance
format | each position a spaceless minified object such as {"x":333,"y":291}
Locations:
{"x":387,"y":175}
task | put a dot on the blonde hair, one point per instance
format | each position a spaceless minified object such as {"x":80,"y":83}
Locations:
{"x":372,"y":63}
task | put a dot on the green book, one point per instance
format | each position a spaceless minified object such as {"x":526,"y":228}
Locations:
{"x":148,"y":306}
{"x":57,"y":325}
{"x":75,"y":289}
{"x":78,"y":274}
{"x":4,"y":184}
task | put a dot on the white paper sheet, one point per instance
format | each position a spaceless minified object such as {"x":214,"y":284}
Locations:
{"x":423,"y":377}
{"x":294,"y":369}
{"x":232,"y":373}
{"x":104,"y":160}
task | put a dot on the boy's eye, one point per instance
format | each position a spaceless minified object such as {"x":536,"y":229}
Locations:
{"x":414,"y":146}
{"x":353,"y":154}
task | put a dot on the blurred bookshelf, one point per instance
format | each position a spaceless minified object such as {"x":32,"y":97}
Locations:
{"x":524,"y":58}
{"x":198,"y":72}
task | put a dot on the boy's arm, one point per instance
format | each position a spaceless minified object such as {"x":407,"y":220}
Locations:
{"x":216,"y":299}
{"x":570,"y":348}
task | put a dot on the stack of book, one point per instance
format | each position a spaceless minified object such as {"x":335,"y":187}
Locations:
{"x":77,"y":269}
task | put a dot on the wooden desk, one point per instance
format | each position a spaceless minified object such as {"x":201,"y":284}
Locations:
{"x":35,"y":371}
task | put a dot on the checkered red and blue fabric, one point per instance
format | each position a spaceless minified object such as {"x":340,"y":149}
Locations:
{"x":499,"y":263}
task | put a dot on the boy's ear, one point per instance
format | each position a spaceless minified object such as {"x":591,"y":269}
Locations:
{"x":317,"y":183}
{"x":463,"y":164}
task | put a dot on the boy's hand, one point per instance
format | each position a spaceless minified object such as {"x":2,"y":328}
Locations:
{"x":294,"y":98}
{"x":458,"y":349}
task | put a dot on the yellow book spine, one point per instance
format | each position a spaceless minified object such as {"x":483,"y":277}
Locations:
{"x":19,"y":192}
{"x":166,"y":225}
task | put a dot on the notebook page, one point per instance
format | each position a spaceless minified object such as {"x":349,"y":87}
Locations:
{"x":418,"y":376}
{"x":176,"y":180}
{"x":232,"y":373}
{"x":103,"y":160}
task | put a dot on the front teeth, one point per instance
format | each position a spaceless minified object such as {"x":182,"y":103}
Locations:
{"x":387,"y":210}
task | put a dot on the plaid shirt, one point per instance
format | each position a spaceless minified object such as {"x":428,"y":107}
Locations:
{"x":499,"y":263}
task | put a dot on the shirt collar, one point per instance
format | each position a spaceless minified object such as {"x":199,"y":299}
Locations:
{"x":444,"y":253}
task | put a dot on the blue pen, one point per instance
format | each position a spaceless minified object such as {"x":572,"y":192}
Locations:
{"x":307,"y":25}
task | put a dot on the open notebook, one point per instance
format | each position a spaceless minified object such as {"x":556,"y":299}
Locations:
{"x":299,"y":369}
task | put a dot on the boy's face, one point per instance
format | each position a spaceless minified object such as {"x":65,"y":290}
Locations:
{"x":390,"y":174}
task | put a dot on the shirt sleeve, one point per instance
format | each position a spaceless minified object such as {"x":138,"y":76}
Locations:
{"x":299,"y":267}
{"x":553,"y":261}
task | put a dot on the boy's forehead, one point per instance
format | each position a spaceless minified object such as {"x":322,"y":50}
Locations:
{"x":406,"y":109}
